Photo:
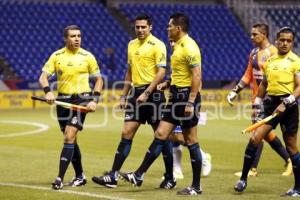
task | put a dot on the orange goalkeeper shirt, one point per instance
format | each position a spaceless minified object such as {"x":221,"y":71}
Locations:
{"x":254,"y":72}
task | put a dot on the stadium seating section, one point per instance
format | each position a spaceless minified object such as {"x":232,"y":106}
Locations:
{"x":284,"y":16}
{"x":223,"y":42}
{"x":30,"y":32}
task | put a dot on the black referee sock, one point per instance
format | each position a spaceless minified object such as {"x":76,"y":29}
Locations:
{"x":296,"y":169}
{"x":76,"y":161}
{"x":168,"y":158}
{"x":279,"y":148}
{"x":258,"y":153}
{"x":121,"y":154}
{"x":65,"y":159}
{"x":152,"y":153}
{"x":248,"y":159}
{"x":196,"y":161}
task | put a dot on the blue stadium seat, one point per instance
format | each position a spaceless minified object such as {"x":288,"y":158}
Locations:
{"x":37,"y":28}
{"x":223,"y":42}
{"x":284,"y":16}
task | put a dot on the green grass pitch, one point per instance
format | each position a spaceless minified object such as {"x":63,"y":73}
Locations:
{"x":30,"y":162}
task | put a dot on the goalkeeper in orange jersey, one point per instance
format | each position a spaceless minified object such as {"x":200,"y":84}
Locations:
{"x":253,"y":76}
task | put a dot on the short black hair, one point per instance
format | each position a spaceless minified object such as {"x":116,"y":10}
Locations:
{"x":263,"y":28}
{"x":144,"y":16}
{"x":182,"y":20}
{"x":285,"y":29}
{"x":70,"y":27}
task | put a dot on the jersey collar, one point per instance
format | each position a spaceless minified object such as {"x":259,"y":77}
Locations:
{"x":146,"y":39}
{"x":285,"y":55}
{"x":72,"y":52}
{"x":182,"y":39}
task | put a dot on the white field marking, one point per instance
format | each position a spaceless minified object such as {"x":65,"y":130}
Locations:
{"x":41,"y":128}
{"x":88,"y":194}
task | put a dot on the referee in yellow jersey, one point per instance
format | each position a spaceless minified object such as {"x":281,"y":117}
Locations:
{"x":183,"y":106}
{"x":281,"y":88}
{"x":73,"y":66}
{"x":146,"y":69}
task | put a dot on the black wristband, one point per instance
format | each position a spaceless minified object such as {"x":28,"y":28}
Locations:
{"x":237,"y":88}
{"x":256,"y":106}
{"x":189,"y":103}
{"x":168,"y":82}
{"x":46,"y":89}
{"x":96,"y":96}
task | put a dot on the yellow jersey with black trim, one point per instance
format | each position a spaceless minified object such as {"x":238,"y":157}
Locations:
{"x":280,"y":71}
{"x":144,"y":58}
{"x":72,"y":70}
{"x":186,"y":55}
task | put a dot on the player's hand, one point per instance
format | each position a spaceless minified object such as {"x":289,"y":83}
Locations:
{"x":122,"y":104}
{"x":142,"y":98}
{"x":162,"y":86}
{"x":230,"y":97}
{"x":189,"y":109}
{"x":280,"y":109}
{"x":91,"y":106}
{"x":50,"y":98}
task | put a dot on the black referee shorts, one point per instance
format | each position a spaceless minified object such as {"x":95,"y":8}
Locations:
{"x":174,"y":111}
{"x":149,"y":111}
{"x":70,"y":117}
{"x":288,"y":120}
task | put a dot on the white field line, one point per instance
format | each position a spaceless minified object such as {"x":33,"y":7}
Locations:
{"x":88,"y":194}
{"x":41,"y":128}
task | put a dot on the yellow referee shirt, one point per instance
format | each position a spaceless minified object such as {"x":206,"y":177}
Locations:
{"x":186,"y":55}
{"x":72,"y":70}
{"x":144,"y":58}
{"x":280,"y":71}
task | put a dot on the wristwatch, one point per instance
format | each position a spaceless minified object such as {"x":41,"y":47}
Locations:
{"x":96,"y":96}
{"x":147,"y":93}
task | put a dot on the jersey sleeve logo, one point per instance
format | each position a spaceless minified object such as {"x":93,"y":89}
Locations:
{"x":191,"y":59}
{"x":162,"y":58}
